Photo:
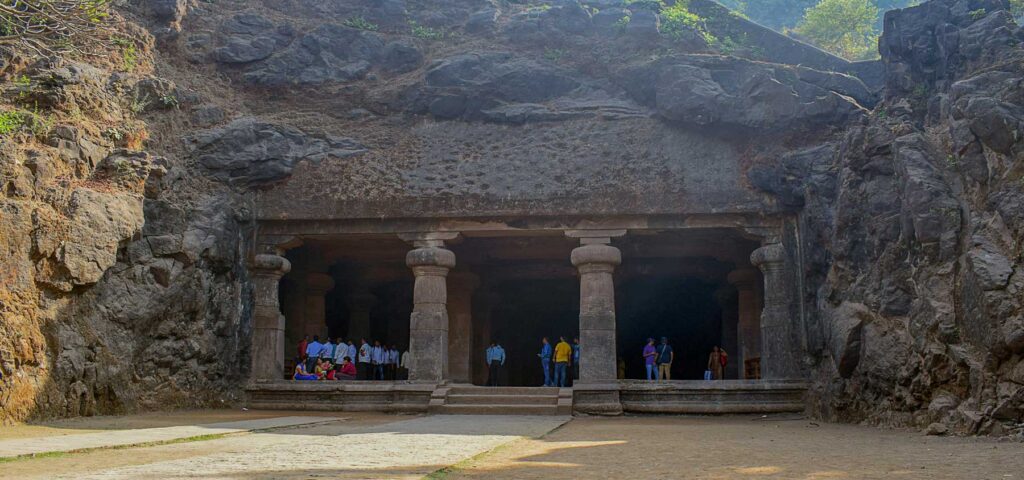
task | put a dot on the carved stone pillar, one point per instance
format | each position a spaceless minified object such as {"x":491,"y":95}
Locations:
{"x":317,"y":286}
{"x":595,"y":260}
{"x":749,"y":327}
{"x":428,"y":324}
{"x":781,"y":347}
{"x":727,"y":301}
{"x":268,"y":322}
{"x":359,"y":303}
{"x":460,"y":325}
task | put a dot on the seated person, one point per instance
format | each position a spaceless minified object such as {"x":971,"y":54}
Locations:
{"x":300,"y":372}
{"x":322,"y":367}
{"x":347,"y":371}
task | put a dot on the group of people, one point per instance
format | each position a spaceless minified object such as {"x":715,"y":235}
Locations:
{"x":658,"y":360}
{"x":564,"y":356}
{"x":338,"y":359}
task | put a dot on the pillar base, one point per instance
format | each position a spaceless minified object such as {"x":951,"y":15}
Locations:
{"x":596,"y":398}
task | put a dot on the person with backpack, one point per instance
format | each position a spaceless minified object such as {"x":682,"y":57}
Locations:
{"x":665,"y":358}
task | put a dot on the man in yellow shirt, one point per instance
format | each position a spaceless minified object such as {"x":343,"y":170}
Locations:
{"x":562,"y":353}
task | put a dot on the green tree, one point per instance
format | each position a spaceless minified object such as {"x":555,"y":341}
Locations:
{"x":843,"y":27}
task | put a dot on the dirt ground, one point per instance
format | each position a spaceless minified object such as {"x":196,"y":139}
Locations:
{"x":739,"y":447}
{"x":143,"y":420}
{"x":377,"y":446}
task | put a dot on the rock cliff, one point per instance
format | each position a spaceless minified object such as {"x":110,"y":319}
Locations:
{"x":127,"y":209}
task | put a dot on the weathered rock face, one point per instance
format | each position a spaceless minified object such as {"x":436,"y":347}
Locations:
{"x":914,"y":234}
{"x":125,"y":284}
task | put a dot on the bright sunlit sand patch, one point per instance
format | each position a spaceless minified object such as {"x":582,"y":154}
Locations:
{"x":767,"y":470}
{"x":828,"y":474}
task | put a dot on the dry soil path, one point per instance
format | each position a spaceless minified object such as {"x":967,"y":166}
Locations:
{"x":370,"y":446}
{"x":743,"y":447}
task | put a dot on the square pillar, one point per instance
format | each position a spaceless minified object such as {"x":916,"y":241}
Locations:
{"x":460,"y":325}
{"x":597,"y":390}
{"x":315,"y":314}
{"x":268,"y":346}
{"x":749,"y":327}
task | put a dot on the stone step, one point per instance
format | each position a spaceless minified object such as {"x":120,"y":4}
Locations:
{"x":485,"y":399}
{"x":473,"y":390}
{"x":499,"y":409}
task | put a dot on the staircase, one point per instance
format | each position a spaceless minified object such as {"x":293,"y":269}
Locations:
{"x":473,"y":400}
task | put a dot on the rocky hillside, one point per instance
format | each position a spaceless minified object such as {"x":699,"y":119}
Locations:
{"x":128,"y":187}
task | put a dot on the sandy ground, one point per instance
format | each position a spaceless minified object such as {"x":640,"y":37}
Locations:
{"x":143,"y":420}
{"x":742,"y":447}
{"x":382,"y":446}
{"x":365,"y":446}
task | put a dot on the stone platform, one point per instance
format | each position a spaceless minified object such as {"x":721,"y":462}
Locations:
{"x":633,"y":396}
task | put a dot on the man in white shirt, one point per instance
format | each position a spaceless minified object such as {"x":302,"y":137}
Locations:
{"x":313,"y":353}
{"x":405,"y":364}
{"x":363,"y":366}
{"x":340,"y":352}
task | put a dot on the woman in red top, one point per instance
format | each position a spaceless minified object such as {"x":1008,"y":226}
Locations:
{"x":348,"y":370}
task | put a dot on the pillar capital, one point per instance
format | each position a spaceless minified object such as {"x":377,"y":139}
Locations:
{"x":743,"y":278}
{"x":269,"y":265}
{"x":318,"y":283}
{"x":422,"y":258}
{"x":428,"y":239}
{"x":596,"y":254}
{"x":768,"y":256}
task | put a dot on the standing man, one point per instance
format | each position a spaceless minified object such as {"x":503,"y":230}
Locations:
{"x":313,"y":353}
{"x":353,"y":352}
{"x":327,"y":349}
{"x":392,"y":362}
{"x":650,"y":357}
{"x":575,"y":359}
{"x":363,"y":365}
{"x":340,"y":352}
{"x":495,"y":360}
{"x":562,"y":353}
{"x":545,"y":361}
{"x":405,"y":364}
{"x":377,"y":359}
{"x":665,"y":358}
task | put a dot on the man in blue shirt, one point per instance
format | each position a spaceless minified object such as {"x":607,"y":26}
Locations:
{"x":377,"y":359}
{"x":313,"y":353}
{"x":545,"y":361}
{"x":327,"y":349}
{"x":495,"y":359}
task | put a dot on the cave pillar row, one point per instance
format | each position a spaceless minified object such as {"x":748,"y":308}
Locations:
{"x":268,"y":322}
{"x":315,"y":312}
{"x":727,"y":301}
{"x":360,"y":303}
{"x":781,"y":344}
{"x":460,"y":325}
{"x":748,"y":331}
{"x":430,"y":262}
{"x":597,"y":390}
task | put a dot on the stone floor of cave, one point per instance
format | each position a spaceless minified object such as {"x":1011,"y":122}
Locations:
{"x":374,"y":445}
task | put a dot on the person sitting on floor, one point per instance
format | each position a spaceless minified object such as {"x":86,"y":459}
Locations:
{"x":322,"y":367}
{"x":347,"y":371}
{"x":300,"y":371}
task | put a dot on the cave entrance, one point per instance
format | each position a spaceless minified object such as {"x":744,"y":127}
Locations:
{"x":688,"y":286}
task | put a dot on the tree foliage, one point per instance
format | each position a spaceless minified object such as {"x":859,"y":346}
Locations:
{"x":843,"y":27}
{"x":49,"y":26}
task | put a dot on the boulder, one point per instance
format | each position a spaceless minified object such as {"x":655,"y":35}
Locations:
{"x":328,"y":53}
{"x":844,"y":324}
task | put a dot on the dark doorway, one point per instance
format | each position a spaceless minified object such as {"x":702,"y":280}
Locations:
{"x":678,"y":307}
{"x":526,"y":311}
